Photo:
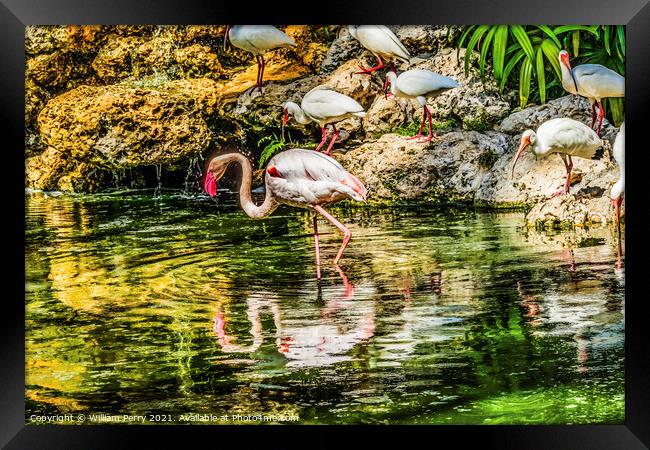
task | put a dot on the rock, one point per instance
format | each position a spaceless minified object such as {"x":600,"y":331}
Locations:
{"x":118,"y":126}
{"x":571,"y":209}
{"x":54,"y":70}
{"x":384,"y":115}
{"x":44,"y":39}
{"x":51,"y":171}
{"x":80,"y":39}
{"x":113,"y":62}
{"x":342,"y":49}
{"x":572,"y":106}
{"x":310,"y":49}
{"x":198,"y":61}
{"x":419,"y":39}
{"x":35,"y":98}
{"x":396,"y":169}
{"x":152,"y":56}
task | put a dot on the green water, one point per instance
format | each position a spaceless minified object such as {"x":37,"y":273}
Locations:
{"x":176,"y":305}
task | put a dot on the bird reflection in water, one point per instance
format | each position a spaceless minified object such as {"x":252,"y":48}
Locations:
{"x":342,"y":325}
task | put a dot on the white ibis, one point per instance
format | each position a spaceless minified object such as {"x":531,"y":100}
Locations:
{"x":296,"y":177}
{"x":592,"y":81}
{"x":420,"y":84}
{"x":618,"y":189}
{"x":323,"y":106}
{"x":381,"y":42}
{"x":567,"y":138}
{"x":257,"y":39}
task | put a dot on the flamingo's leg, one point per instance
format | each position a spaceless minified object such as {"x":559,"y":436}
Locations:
{"x":372,"y":69}
{"x":347,"y":234}
{"x":568,"y":164}
{"x":334,"y":137}
{"x":601,"y":114}
{"x":349,"y":288}
{"x":419,"y":135}
{"x":323,"y":138}
{"x":317,"y":247}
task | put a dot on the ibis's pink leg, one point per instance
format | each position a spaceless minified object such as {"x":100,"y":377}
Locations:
{"x":334,"y":137}
{"x":430,"y":126}
{"x":372,"y":69}
{"x":619,"y":247}
{"x":323,"y":139}
{"x":317,"y":247}
{"x":347,"y":234}
{"x":568,"y":164}
{"x":601,"y":114}
{"x":419,"y":135}
{"x":617,"y":209}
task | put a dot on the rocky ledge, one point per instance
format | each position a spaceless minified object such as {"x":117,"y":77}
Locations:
{"x":105,"y":100}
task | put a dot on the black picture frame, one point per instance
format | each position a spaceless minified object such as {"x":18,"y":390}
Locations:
{"x":635,"y":14}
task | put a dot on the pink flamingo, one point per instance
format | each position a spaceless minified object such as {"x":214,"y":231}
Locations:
{"x":296,"y":177}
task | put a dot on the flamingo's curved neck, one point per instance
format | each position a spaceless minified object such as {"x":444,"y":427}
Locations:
{"x":297,"y":112}
{"x":245,"y":196}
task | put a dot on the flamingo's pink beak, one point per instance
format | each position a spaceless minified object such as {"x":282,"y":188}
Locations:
{"x":210,"y":184}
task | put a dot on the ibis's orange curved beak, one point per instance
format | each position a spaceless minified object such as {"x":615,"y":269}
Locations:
{"x":525,"y":142}
{"x":285,"y":119}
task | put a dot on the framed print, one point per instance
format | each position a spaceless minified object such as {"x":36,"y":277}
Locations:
{"x":318,"y":225}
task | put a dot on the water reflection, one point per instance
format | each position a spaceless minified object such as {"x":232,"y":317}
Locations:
{"x":173,"y":304}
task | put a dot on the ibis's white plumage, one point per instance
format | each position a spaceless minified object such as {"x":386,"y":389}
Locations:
{"x":420,"y":84}
{"x":380,"y":40}
{"x":568,"y":136}
{"x":324,"y":105}
{"x":306,"y":177}
{"x":258,"y":39}
{"x":592,"y":81}
{"x":619,"y":156}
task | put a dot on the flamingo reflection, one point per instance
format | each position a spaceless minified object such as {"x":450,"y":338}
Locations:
{"x":305,"y":342}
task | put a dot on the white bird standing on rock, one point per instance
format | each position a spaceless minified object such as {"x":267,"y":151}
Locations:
{"x":567,"y":138}
{"x":420,"y":84}
{"x":323,"y":106}
{"x":257,"y":39}
{"x":381,"y":42}
{"x":592,"y":81}
{"x":618,"y":189}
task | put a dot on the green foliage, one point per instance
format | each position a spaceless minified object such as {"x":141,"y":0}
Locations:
{"x":275,"y":144}
{"x":526,"y":57}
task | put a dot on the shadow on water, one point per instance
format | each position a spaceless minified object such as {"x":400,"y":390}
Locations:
{"x":178,"y":305}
